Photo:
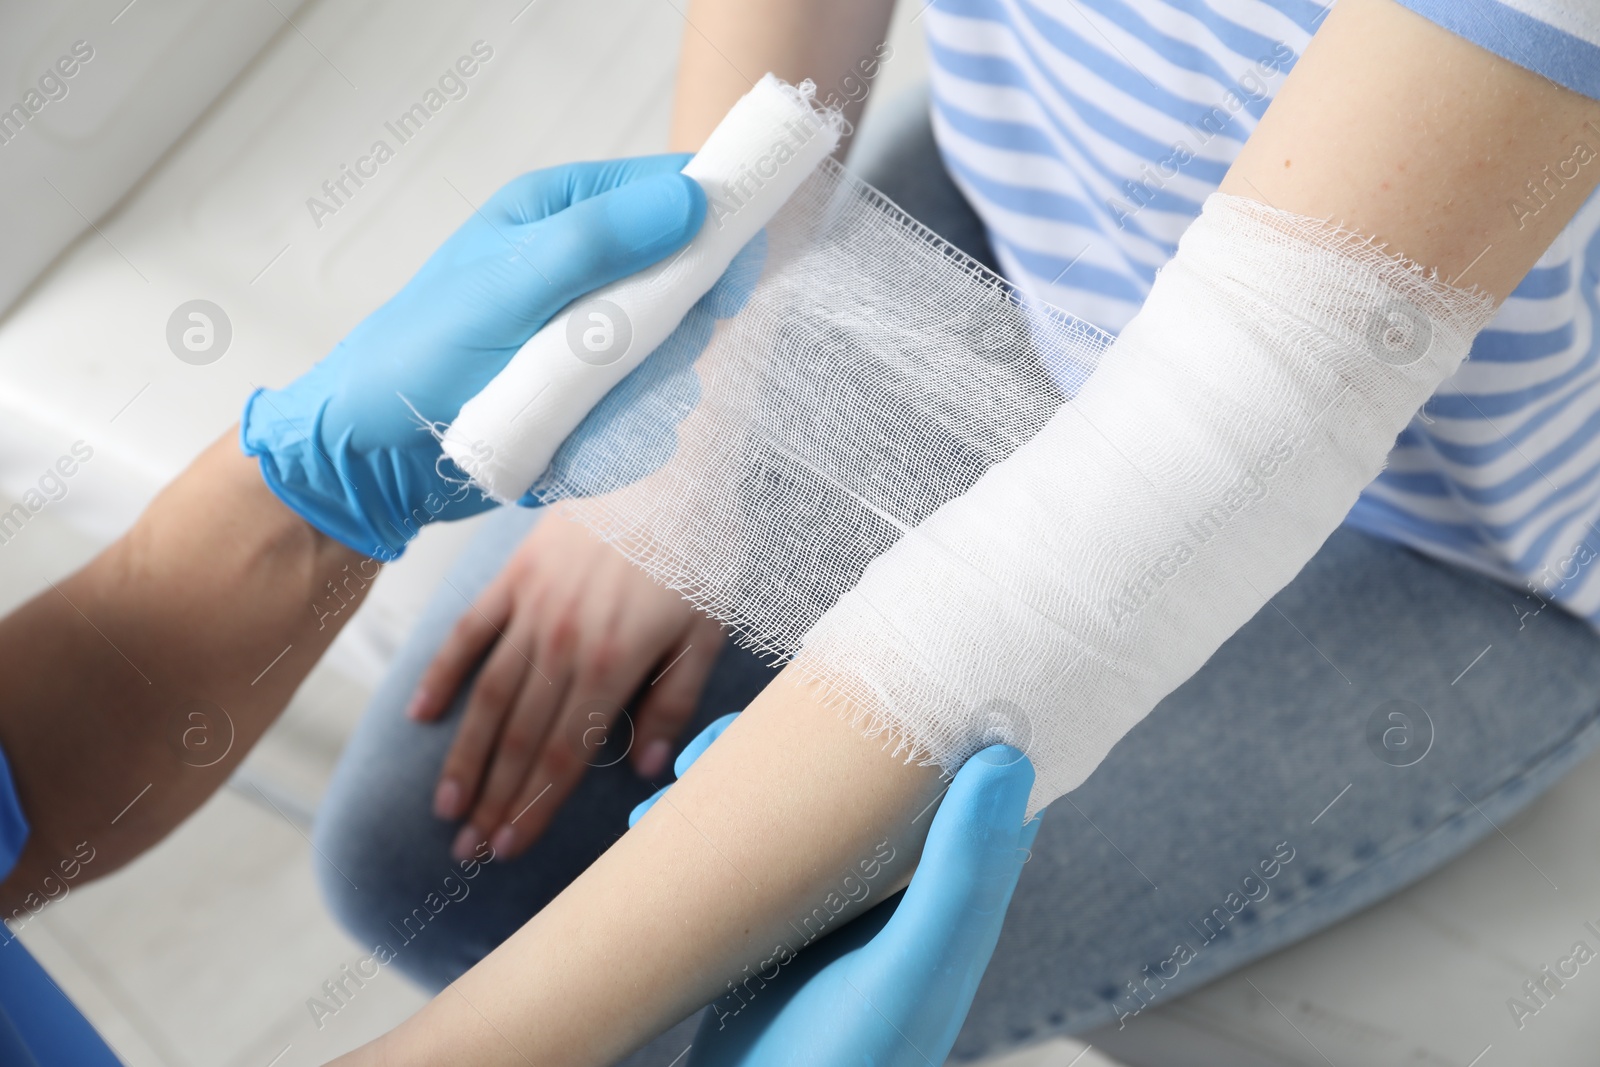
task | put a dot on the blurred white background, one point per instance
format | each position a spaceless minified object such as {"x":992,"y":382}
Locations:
{"x":193,"y":140}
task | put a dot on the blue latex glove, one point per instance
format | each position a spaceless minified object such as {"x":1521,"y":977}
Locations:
{"x":342,"y":446}
{"x":892,"y":988}
{"x":644,"y":409}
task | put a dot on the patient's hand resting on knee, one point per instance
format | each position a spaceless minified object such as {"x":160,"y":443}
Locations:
{"x":567,"y":634}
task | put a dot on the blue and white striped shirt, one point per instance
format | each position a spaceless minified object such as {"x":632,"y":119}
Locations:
{"x":1087,"y":133}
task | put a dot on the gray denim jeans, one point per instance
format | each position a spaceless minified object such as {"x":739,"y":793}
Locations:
{"x":1360,"y":731}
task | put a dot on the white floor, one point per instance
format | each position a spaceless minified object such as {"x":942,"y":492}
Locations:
{"x":206,"y":950}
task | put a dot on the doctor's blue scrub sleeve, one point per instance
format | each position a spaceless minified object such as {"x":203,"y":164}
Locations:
{"x":13,"y":824}
{"x":39,"y":1026}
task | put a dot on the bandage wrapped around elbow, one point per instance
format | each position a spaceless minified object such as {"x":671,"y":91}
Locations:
{"x":968,"y":517}
{"x":1222,"y":438}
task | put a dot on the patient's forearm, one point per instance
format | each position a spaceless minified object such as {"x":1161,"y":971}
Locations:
{"x":789,"y":825}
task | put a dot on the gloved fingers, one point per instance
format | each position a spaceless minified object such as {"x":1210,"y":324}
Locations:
{"x":733,"y":1032}
{"x":693,"y":751}
{"x":854,"y":934}
{"x":603,"y":238}
{"x":972,"y":859}
{"x":496,"y":281}
{"x":541,"y":193}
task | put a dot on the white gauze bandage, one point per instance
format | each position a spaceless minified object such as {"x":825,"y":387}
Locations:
{"x":969,"y":518}
{"x":770,"y":142}
{"x":1222,"y":438}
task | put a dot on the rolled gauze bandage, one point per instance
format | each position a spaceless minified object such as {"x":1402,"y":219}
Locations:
{"x":766,"y":146}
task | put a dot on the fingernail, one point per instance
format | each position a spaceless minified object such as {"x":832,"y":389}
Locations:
{"x":418,"y":702}
{"x":653,"y":760}
{"x":447,"y":799}
{"x":656,"y":210}
{"x":465,"y":842}
{"x":502,"y":841}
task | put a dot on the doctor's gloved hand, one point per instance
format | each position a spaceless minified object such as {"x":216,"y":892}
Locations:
{"x":344,"y":445}
{"x":893,"y":987}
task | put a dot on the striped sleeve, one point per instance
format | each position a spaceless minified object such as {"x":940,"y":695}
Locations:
{"x":1559,"y":39}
